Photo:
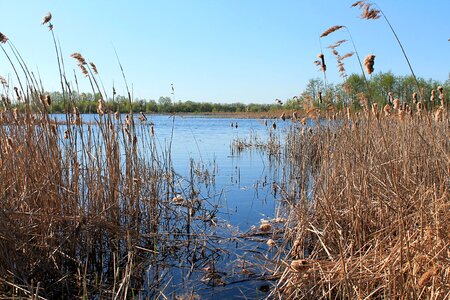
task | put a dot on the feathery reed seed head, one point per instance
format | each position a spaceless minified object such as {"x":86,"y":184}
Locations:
{"x":330,"y":30}
{"x":94,"y":67}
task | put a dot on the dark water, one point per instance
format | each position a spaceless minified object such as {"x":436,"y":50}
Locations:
{"x":240,"y":186}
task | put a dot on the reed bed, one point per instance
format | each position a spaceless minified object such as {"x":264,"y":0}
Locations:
{"x":368,"y":208}
{"x":90,"y":209}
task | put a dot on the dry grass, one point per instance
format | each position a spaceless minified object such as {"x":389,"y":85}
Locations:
{"x":369,"y":213}
{"x":86,"y":207}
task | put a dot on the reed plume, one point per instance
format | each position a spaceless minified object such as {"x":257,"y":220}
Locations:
{"x":331,"y":30}
{"x":94,"y":67}
{"x":79,"y":58}
{"x":387,"y":110}
{"x":347,"y":55}
{"x":337,"y":44}
{"x":367,"y":12}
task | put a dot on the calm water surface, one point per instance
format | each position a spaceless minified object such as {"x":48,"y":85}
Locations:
{"x":242,"y":190}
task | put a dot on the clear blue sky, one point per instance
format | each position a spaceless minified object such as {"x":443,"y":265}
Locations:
{"x":222,"y":50}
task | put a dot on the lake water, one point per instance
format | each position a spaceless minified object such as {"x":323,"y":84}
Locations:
{"x":242,"y":189}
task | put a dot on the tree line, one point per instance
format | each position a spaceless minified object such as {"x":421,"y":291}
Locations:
{"x":317,"y":93}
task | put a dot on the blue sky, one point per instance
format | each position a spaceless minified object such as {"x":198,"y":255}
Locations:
{"x":222,"y":50}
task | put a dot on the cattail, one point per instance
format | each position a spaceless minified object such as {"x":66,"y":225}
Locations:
{"x":127,"y":131}
{"x":66,"y":134}
{"x":320,"y":96}
{"x":128,"y":120}
{"x":94,"y":67}
{"x":391,"y":97}
{"x":47,"y":18}
{"x":396,"y":103}
{"x":387,"y":110}
{"x":438,"y":114}
{"x":3,"y":38}
{"x":43,"y":98}
{"x":414,"y":95}
{"x":16,"y":90}
{"x":274,"y":125}
{"x":15,"y":113}
{"x":152,"y":131}
{"x":331,"y":30}
{"x":375,"y":110}
{"x":265,"y":227}
{"x":101,"y":107}
{"x":419,"y":107}
{"x":271,"y":243}
{"x":142,"y":117}
{"x":441,"y":95}
{"x":322,"y":59}
{"x":9,"y":142}
{"x":117,"y":115}
{"x":283,"y":116}
{"x":425,"y":278}
{"x":409,"y":110}
{"x":76,"y":112}
{"x":400,"y":114}
{"x":53,"y":129}
{"x":433,"y":95}
{"x":48,"y":100}
{"x":369,"y":61}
